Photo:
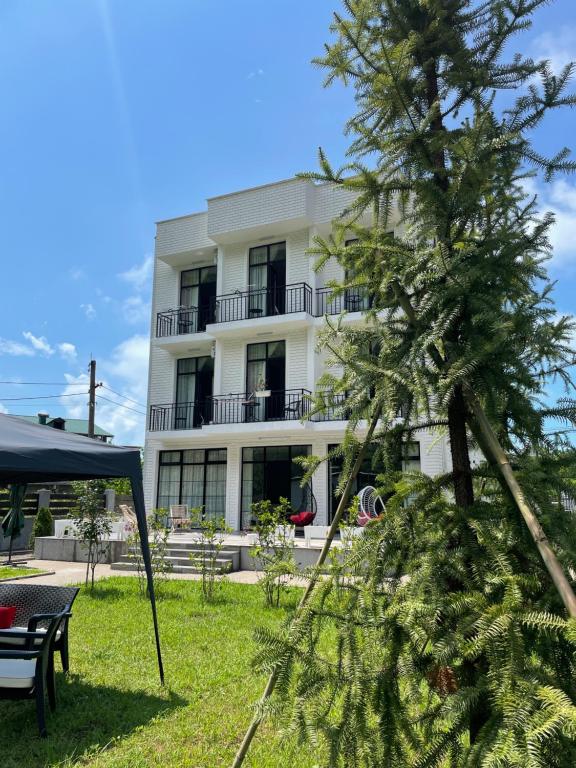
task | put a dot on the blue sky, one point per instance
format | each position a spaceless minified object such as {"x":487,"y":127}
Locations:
{"x":117,"y":113}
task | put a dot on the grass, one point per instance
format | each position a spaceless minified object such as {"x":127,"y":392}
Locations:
{"x":112,"y":712}
{"x":10,"y":572}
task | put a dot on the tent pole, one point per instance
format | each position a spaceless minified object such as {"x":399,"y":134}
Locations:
{"x":138,"y":496}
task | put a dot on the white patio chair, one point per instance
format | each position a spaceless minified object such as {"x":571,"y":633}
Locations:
{"x":129,"y":518}
{"x":178,"y":515}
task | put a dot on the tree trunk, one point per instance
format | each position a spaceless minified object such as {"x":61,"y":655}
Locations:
{"x":462,"y":471}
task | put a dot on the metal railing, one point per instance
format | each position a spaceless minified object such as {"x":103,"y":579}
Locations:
{"x":235,"y":408}
{"x":263,"y":302}
{"x":351,"y":300}
{"x":170,"y":416}
{"x":334,"y":408}
{"x":174,"y":322}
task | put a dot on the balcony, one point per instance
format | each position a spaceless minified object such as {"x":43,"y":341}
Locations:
{"x":237,"y":408}
{"x":232,"y":307}
{"x":351,"y":300}
{"x":263,"y":302}
{"x":175,"y":322}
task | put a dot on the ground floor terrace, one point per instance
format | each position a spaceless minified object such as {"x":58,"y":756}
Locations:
{"x":229,"y":472}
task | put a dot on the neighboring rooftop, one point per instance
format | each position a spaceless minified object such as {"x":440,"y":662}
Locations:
{"x":77,"y":426}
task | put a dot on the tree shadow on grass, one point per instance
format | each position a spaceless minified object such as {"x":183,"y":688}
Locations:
{"x":88,"y":719}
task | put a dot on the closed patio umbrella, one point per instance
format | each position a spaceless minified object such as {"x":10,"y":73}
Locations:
{"x":14,"y":520}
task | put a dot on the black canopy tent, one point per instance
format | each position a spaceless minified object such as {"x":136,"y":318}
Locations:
{"x":31,"y":453}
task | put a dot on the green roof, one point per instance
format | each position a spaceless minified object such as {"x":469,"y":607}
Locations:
{"x":77,"y":426}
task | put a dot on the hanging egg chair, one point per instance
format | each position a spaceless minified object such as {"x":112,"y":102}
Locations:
{"x":371,"y":505}
{"x":306,"y":510}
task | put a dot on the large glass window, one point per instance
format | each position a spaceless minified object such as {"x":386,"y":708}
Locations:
{"x":194,"y":477}
{"x":269,"y":472}
{"x":368,"y":473}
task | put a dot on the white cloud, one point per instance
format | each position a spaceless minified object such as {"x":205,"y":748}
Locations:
{"x":558,"y":198}
{"x":67,"y":351}
{"x":76,"y":273}
{"x":140,"y":275}
{"x":89,"y":311}
{"x":255,"y":73}
{"x":15,"y":348}
{"x":558,"y":47}
{"x":135,"y":310}
{"x":3,"y":408}
{"x":39,"y":343}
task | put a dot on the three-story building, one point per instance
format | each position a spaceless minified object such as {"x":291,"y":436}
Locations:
{"x":236,"y":311}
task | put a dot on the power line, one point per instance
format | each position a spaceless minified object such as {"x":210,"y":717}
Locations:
{"x":45,"y":397}
{"x":47,"y":383}
{"x":120,"y":405}
{"x":124,"y":396}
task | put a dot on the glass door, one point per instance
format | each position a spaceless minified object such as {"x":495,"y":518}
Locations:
{"x":267,"y":280}
{"x":265,"y":381}
{"x":194,"y":379}
{"x":197,"y":299}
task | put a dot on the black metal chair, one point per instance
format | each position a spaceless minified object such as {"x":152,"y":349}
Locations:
{"x":31,"y":600}
{"x":27,"y":671}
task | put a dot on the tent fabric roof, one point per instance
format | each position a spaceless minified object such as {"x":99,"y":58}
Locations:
{"x":78,"y":426}
{"x":35,"y":453}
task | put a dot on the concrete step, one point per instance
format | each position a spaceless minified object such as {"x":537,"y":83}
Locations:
{"x":130,"y":566}
{"x":232,"y":555}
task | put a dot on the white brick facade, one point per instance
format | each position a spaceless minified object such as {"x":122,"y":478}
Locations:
{"x":292,"y":212}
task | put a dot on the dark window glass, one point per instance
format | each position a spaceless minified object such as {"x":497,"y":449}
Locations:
{"x":269,"y":473}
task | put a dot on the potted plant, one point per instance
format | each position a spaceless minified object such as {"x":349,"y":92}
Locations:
{"x":261,"y":389}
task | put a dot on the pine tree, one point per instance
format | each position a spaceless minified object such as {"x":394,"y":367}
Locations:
{"x":442,"y":641}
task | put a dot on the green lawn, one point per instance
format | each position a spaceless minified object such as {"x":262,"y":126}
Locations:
{"x":112,"y":711}
{"x":9,"y":572}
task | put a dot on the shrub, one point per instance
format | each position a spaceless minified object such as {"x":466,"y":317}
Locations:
{"x":43,"y":525}
{"x":158,"y":544}
{"x":274,"y":552}
{"x":210,"y":542}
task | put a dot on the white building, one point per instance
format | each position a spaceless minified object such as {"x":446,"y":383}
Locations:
{"x":237,"y":306}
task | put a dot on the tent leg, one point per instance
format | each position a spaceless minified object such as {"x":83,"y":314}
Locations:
{"x":138,"y":496}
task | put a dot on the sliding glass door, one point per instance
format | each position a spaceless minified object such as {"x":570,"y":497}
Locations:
{"x":197,"y":299}
{"x":266,"y":374}
{"x":269,"y":472}
{"x":194,"y":381}
{"x":267,"y":280}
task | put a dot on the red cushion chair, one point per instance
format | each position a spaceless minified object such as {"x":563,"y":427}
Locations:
{"x":302,"y":518}
{"x":7,"y":615}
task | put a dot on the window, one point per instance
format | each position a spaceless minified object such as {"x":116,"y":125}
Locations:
{"x":194,"y":477}
{"x":269,"y":472}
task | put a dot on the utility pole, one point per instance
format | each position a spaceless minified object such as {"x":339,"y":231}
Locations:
{"x":92,"y":400}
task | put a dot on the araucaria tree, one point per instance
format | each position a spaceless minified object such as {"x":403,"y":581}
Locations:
{"x":450,"y":642}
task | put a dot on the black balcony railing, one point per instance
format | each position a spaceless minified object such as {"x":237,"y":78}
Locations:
{"x":237,"y":408}
{"x":174,"y":322}
{"x":334,"y":408}
{"x":263,"y":302}
{"x":180,"y":416}
{"x":351,"y":300}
